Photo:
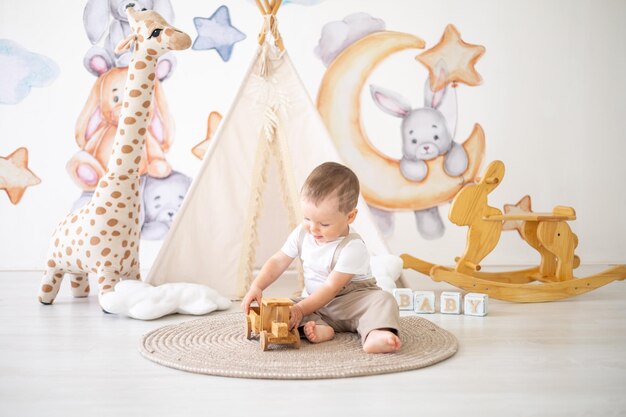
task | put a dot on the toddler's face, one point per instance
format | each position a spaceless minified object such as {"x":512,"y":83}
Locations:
{"x":324,"y":220}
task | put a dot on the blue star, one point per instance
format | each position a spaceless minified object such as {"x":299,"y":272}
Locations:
{"x":217,"y":33}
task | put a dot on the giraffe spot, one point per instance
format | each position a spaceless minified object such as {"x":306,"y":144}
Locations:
{"x":80,"y":265}
{"x":135,"y":142}
{"x":121,"y":205}
{"x":140,"y":65}
{"x":51,"y":263}
{"x":124,"y":178}
{"x":103,"y":232}
{"x":68,"y":251}
{"x":134,"y":93}
{"x":101,"y":280}
{"x":138,"y":159}
{"x":130,"y":215}
{"x":138,"y":113}
{"x":116,"y":194}
{"x":105,"y":251}
{"x":127,"y":149}
{"x":88,"y":253}
{"x":58,"y":275}
{"x":80,"y":242}
{"x":146,"y":104}
{"x":56,"y":242}
{"x":118,"y":161}
{"x":46,"y":288}
{"x":132,"y":244}
{"x":132,"y":76}
{"x":130,"y":120}
{"x":148,"y":58}
{"x":142,"y":131}
{"x":100,"y":211}
{"x":106,"y":287}
{"x":136,"y":221}
{"x":67,"y":231}
{"x":91,"y":222}
{"x":112,"y":222}
{"x":124,"y":243}
{"x":79,"y":230}
{"x":126,"y":254}
{"x":75,"y":284}
{"x":151,"y":51}
{"x":151,"y":77}
{"x":115,"y":233}
{"x":74,"y":219}
{"x":94,"y":240}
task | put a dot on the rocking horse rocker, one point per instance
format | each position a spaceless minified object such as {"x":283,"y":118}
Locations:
{"x":548,"y":233}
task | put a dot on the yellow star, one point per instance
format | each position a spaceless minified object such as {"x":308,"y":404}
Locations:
{"x":15,"y":175}
{"x":457,"y":57}
{"x":214,"y":120}
{"x":522,"y":206}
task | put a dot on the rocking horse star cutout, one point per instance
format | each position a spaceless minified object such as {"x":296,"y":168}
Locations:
{"x":458,"y":56}
{"x":15,"y":175}
{"x":521,"y":207}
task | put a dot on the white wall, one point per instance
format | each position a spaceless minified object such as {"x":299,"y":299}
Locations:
{"x":551,"y":106}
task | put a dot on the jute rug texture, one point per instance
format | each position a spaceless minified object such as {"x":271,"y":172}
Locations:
{"x":217,"y":345}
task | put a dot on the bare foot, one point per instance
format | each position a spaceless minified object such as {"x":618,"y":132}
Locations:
{"x":318,"y":333}
{"x":381,"y":341}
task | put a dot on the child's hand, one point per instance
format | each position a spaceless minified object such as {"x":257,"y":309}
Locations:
{"x":253,"y":294}
{"x":295,"y":316}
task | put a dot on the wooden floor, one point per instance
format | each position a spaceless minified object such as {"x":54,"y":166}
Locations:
{"x":563,"y":358}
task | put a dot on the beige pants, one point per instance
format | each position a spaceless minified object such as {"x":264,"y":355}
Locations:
{"x":359,"y":307}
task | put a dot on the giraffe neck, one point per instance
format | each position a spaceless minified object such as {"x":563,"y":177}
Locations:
{"x":130,"y":136}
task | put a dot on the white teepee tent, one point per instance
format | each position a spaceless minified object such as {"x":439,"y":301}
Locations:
{"x":273,"y":122}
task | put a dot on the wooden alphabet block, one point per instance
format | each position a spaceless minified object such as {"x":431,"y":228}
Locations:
{"x":476,"y":304}
{"x":450,"y":302}
{"x":424,"y":301}
{"x":404,"y":298}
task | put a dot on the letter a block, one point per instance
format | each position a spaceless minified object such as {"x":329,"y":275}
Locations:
{"x":476,"y":304}
{"x":424,"y":301}
{"x":404,"y":298}
{"x":450,"y":302}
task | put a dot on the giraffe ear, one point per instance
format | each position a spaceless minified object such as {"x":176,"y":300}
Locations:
{"x":125,"y":44}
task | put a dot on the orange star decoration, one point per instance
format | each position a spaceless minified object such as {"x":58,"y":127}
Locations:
{"x":522,"y":206}
{"x":15,"y":175}
{"x":458,"y":58}
{"x":214,"y":120}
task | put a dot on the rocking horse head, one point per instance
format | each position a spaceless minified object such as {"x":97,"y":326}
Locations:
{"x":151,"y":34}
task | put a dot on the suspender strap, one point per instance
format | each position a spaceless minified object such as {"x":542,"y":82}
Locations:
{"x":338,"y":249}
{"x":341,"y":245}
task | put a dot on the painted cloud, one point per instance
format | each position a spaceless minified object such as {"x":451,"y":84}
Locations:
{"x":22,"y":70}
{"x":338,"y":35}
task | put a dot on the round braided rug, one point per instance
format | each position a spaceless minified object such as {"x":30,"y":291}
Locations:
{"x":217,"y":345}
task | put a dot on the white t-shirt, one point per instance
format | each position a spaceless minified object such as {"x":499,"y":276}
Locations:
{"x":316,"y":258}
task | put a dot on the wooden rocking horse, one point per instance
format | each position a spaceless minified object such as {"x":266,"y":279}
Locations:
{"x":548,"y":233}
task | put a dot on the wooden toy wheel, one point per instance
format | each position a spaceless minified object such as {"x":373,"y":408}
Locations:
{"x":295,"y":333}
{"x":264,"y":341}
{"x":248,"y":328}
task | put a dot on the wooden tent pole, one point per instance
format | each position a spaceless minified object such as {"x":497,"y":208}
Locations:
{"x":268,"y":6}
{"x":260,"y":6}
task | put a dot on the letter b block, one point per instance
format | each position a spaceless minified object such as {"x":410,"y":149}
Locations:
{"x":450,"y":302}
{"x":404,"y":298}
{"x":475,"y":304}
{"x":424,"y":301}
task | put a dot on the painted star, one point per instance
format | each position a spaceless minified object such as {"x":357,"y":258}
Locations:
{"x":458,"y":58}
{"x":217,"y":33}
{"x":214,"y":120}
{"x":15,"y":175}
{"x":522,"y":206}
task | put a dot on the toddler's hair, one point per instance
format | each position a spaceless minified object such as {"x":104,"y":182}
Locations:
{"x":332,"y":178}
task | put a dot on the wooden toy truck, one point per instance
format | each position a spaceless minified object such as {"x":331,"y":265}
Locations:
{"x":271,"y":321}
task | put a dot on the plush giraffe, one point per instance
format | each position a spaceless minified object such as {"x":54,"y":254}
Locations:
{"x":103,"y":236}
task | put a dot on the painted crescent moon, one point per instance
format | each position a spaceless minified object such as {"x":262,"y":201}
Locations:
{"x":339,"y":104}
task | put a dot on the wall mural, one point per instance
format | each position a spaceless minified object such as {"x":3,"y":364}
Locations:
{"x":216,"y":32}
{"x":21,"y":71}
{"x":434,"y":165}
